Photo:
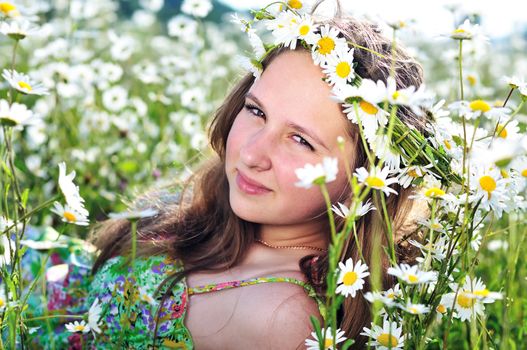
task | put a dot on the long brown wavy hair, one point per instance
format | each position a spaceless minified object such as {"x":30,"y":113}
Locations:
{"x":196,"y":224}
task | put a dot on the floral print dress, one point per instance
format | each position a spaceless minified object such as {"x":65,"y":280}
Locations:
{"x":127,"y":294}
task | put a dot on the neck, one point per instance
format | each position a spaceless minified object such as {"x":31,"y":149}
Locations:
{"x":295,"y":235}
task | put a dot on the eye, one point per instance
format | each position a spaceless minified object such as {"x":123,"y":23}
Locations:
{"x":254,"y":110}
{"x":302,"y":141}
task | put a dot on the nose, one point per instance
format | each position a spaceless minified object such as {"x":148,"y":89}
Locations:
{"x":255,"y":152}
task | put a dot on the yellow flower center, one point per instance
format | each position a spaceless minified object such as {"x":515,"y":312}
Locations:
{"x":459,"y":31}
{"x":524,"y":172}
{"x":502,"y":132}
{"x":343,"y":69}
{"x":24,"y":85}
{"x":70,"y":216}
{"x":395,"y":95}
{"x":79,"y":328}
{"x":413,"y":173}
{"x":413,"y":310}
{"x":303,"y":30}
{"x":436,"y":226}
{"x":7,"y":7}
{"x":413,"y":279}
{"x":466,"y":301}
{"x":368,"y":108}
{"x":349,"y":278}
{"x":325,"y":45}
{"x":479,"y":105}
{"x":434,"y":192}
{"x":328,"y":343}
{"x":441,"y":308}
{"x":387,"y":340}
{"x":390,"y":295}
{"x":487,"y":183}
{"x":472,"y":80}
{"x":374,"y":181}
{"x":2,"y":302}
{"x":482,"y":292}
{"x":295,"y":4}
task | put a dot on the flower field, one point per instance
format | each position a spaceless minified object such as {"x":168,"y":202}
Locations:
{"x":101,"y":100}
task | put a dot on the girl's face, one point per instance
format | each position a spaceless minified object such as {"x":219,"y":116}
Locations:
{"x":288,"y":120}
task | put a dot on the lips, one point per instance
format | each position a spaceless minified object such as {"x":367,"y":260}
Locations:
{"x":249,"y":185}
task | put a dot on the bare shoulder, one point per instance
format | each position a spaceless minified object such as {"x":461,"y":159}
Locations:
{"x":282,"y":311}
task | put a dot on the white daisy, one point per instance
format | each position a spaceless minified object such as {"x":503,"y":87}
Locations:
{"x":388,"y":337}
{"x":327,"y":44}
{"x":409,"y":96}
{"x":329,"y":342}
{"x":508,"y":129}
{"x":301,"y":28}
{"x":523,"y":91}
{"x":415,"y":309}
{"x":388,"y":297}
{"x":466,"y":31}
{"x":473,"y":109}
{"x":182,"y":27}
{"x":367,"y":96}
{"x":412,"y":274}
{"x":256,"y":44}
{"x":18,"y":29}
{"x":78,"y":327}
{"x":297,"y":5}
{"x":437,"y":249}
{"x":70,"y":190}
{"x":411,"y":173}
{"x":442,"y":308}
{"x":469,"y":299}
{"x":251,"y":65}
{"x":23,"y":83}
{"x":16,"y":114}
{"x":8,"y":9}
{"x":488,"y":186}
{"x":196,"y":8}
{"x":514,"y":82}
{"x":360,"y":210}
{"x":377,"y":179}
{"x":8,"y":244}
{"x":382,"y":147}
{"x":94,"y":314}
{"x":317,"y":174}
{"x":351,"y":278}
{"x":115,"y":99}
{"x":70,"y":215}
{"x":430,"y":189}
{"x":283,"y":26}
{"x":339,"y":67}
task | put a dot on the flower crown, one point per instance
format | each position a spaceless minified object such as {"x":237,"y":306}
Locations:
{"x":369,"y":104}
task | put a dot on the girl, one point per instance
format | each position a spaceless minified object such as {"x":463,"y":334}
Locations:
{"x":238,"y":259}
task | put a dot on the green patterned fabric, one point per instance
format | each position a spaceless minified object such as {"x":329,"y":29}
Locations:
{"x":129,"y":304}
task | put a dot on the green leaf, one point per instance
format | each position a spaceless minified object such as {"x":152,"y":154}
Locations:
{"x":6,"y":169}
{"x":25,"y":196}
{"x":128,"y":166}
{"x":347,"y":344}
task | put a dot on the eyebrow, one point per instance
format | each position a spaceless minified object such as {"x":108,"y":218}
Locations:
{"x":290,"y":124}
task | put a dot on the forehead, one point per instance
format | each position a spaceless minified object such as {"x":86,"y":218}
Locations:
{"x":291,"y":88}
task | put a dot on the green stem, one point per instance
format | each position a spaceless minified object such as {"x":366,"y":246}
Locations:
{"x":53,"y":316}
{"x":460,"y":58}
{"x":388,"y":232}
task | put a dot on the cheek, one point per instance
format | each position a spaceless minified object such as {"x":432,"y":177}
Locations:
{"x":234,"y":140}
